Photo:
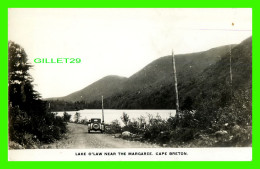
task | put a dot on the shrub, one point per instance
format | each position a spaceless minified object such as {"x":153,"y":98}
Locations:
{"x":155,"y":127}
{"x":125,"y":118}
{"x":66,"y":117}
{"x":241,"y":136}
{"x":114,"y":127}
{"x":180,"y":135}
{"x":20,"y":128}
{"x":77,"y":117}
{"x":132,"y":127}
{"x":84,"y":121}
{"x":163,"y":137}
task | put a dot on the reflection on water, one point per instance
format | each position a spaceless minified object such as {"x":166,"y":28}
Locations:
{"x":112,"y":114}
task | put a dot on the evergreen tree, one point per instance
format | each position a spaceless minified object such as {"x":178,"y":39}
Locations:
{"x":21,"y":92}
{"x":29,"y":120}
{"x":77,"y":117}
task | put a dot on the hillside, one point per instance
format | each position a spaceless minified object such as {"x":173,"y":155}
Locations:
{"x":160,"y":71}
{"x":149,"y":79}
{"x":215,"y":80}
{"x":199,"y":80}
{"x":106,"y":86}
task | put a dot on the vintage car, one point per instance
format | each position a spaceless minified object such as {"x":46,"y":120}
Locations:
{"x":95,"y":124}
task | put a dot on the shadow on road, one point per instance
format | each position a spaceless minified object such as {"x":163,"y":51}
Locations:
{"x":92,"y":133}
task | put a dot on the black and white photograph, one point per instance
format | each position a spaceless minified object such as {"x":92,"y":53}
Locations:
{"x":135,"y":84}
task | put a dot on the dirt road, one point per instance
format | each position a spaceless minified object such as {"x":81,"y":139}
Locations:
{"x":78,"y":137}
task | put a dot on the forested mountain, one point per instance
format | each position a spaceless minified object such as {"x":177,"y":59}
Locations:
{"x":148,"y":81}
{"x":202,"y":77}
{"x":215,"y":80}
{"x":160,"y":71}
{"x":200,"y":80}
{"x":106,"y":86}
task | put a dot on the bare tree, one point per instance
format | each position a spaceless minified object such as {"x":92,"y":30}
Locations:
{"x":176,"y":85}
{"x":125,"y":118}
{"x":77,"y":117}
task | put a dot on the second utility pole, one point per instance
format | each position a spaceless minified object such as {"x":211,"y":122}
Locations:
{"x":176,"y":85}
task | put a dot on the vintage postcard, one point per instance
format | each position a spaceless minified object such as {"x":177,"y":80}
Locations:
{"x":130,"y":84}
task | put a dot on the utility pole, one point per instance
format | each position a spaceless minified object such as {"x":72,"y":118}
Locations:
{"x":230,"y":63}
{"x":230,"y":68}
{"x":230,"y":72}
{"x":102,"y":111}
{"x":176,"y":85}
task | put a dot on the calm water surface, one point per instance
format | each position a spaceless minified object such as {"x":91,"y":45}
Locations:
{"x":115,"y":114}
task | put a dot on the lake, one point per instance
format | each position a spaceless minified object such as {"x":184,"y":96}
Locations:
{"x":115,"y":114}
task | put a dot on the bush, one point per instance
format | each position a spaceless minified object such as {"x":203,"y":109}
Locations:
{"x":220,"y":127}
{"x":241,"y":136}
{"x":163,"y":137}
{"x":31,"y":130}
{"x":180,"y":135}
{"x":77,"y":117}
{"x":154,"y":128}
{"x":66,"y":117}
{"x":114,"y":127}
{"x":53,"y":128}
{"x":84,"y":121}
{"x":125,"y":118}
{"x":19,"y":123}
{"x":132,"y":127}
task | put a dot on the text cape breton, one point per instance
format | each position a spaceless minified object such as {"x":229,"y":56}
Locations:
{"x":128,"y":153}
{"x":57,"y":60}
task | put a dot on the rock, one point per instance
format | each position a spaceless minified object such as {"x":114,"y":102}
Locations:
{"x":134,"y":135}
{"x":210,"y":130}
{"x":137,"y":139}
{"x":221,"y":134}
{"x":117,"y":135}
{"x":14,"y":145}
{"x":236,"y":128}
{"x":43,"y":147}
{"x":165,"y":145}
{"x":126,"y":134}
{"x":20,"y":147}
{"x":231,"y":137}
{"x":35,"y":147}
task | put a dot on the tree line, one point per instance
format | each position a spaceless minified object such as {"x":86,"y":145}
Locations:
{"x":31,"y":123}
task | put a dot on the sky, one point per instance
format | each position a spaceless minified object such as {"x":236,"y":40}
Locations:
{"x":116,"y":41}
